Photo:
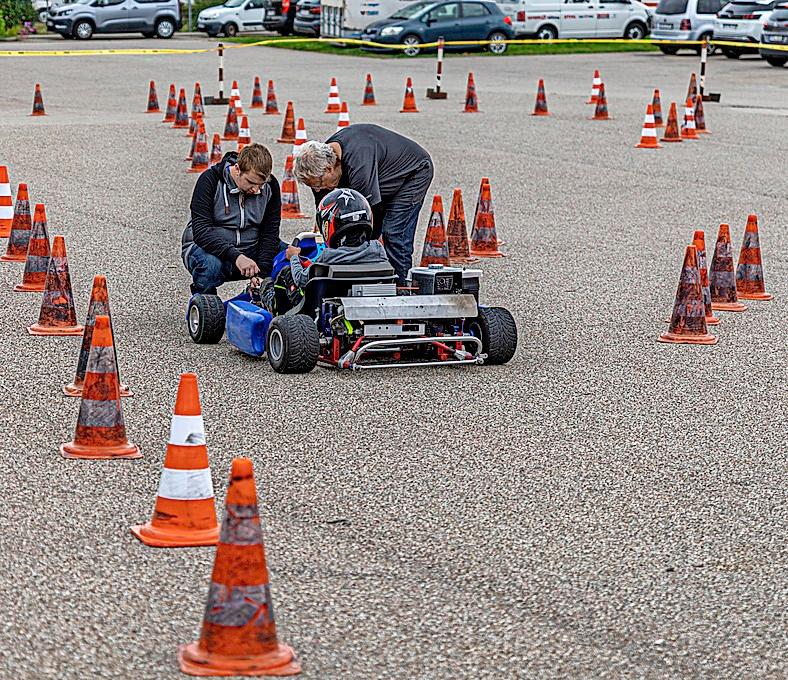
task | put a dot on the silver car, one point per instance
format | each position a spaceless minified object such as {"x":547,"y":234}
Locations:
{"x":681,"y":20}
{"x":160,"y":18}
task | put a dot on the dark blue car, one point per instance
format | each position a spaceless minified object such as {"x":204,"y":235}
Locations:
{"x":424,"y":22}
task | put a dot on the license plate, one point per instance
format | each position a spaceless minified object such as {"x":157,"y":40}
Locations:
{"x":778,"y":38}
{"x":729,"y":25}
{"x":664,"y":25}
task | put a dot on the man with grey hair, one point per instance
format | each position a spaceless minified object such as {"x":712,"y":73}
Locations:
{"x":391,"y":171}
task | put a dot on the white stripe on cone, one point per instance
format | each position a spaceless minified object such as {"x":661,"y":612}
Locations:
{"x":185,"y":485}
{"x":5,"y":189}
{"x":187,"y":431}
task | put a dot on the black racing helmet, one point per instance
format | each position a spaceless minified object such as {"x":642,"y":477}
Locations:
{"x":344,"y":218}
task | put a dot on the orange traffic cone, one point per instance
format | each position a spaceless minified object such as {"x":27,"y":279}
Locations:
{"x":484,"y":180}
{"x":201,"y":159}
{"x":196,"y":120}
{"x":672,"y":128}
{"x":699,"y":241}
{"x":722,"y":279}
{"x":184,"y":514}
{"x":21,"y":225}
{"x":287,"y":136}
{"x":197,"y":104}
{"x":595,"y":88}
{"x":153,"y":100}
{"x":656,"y":105}
{"x":648,"y":135}
{"x":540,"y":109}
{"x":471,"y":100}
{"x":344,"y":117}
{"x":6,"y":203}
{"x":692,"y":90}
{"x":369,"y":92}
{"x":231,"y":123}
{"x":38,"y":251}
{"x":101,"y":430}
{"x":38,"y":103}
{"x":291,"y":205}
{"x":436,"y":247}
{"x":300,"y":136}
{"x":238,"y":634}
{"x":688,"y":128}
{"x":600,"y":113}
{"x":216,"y":149}
{"x":98,"y":306}
{"x":484,"y":238}
{"x":749,"y":272}
{"x":271,"y":107}
{"x":688,"y":321}
{"x":235,"y":92}
{"x":409,"y":103}
{"x":334,"y":102}
{"x":257,"y":95}
{"x":181,"y":113}
{"x":457,"y":231}
{"x":700,"y":118}
{"x":57,"y":315}
{"x":244,"y":135}
{"x":193,"y":123}
{"x":172,"y":106}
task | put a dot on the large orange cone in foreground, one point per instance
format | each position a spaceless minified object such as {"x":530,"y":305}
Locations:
{"x":484,"y":237}
{"x":749,"y":272}
{"x":688,"y":322}
{"x":38,"y":252}
{"x":436,"y":248}
{"x":58,"y":315}
{"x":238,"y":634}
{"x":101,"y":430}
{"x":699,"y":241}
{"x":18,"y":240}
{"x":722,"y":279}
{"x":184,"y":513}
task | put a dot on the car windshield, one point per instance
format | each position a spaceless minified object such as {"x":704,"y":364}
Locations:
{"x":233,"y":3}
{"x":410,"y":11}
{"x":672,"y":7}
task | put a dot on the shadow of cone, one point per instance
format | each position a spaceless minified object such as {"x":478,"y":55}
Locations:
{"x":271,"y":107}
{"x":369,"y":93}
{"x":38,"y":252}
{"x":172,"y":106}
{"x":699,"y":241}
{"x":287,"y":136}
{"x":57,"y":315}
{"x":600,"y":113}
{"x":38,"y":103}
{"x":21,"y":225}
{"x":98,"y":306}
{"x":540,"y":108}
{"x":457,"y":232}
{"x":153,"y":99}
{"x":722,"y":279}
{"x":471,"y":100}
{"x":291,"y":204}
{"x":484,"y":237}
{"x":6,"y":203}
{"x":181,"y":112}
{"x":672,"y":128}
{"x":688,"y":321}
{"x":436,"y":247}
{"x":409,"y":102}
{"x":184,"y":514}
{"x":101,"y":431}
{"x":238,"y":635}
{"x":257,"y":95}
{"x":749,"y":272}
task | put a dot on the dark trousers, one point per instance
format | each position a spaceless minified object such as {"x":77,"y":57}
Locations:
{"x":209,"y":272}
{"x":399,"y":230}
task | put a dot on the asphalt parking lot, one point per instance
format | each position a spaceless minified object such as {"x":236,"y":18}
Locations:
{"x":602,"y":506}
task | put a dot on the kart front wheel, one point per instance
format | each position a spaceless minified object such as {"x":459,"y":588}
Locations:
{"x":496,"y":328}
{"x":205,"y":319}
{"x":293,"y":344}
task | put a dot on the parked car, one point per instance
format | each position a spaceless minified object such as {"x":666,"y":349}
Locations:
{"x":775,"y":32}
{"x":307,"y":18}
{"x":425,"y":22}
{"x":681,"y":20}
{"x":232,"y":18}
{"x":160,"y":18}
{"x":742,"y":21}
{"x":551,"y":19}
{"x":279,"y":16}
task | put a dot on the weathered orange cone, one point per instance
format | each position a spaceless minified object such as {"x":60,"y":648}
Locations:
{"x":197,"y":103}
{"x":436,"y":247}
{"x":600,"y":113}
{"x":656,"y":105}
{"x":238,"y":634}
{"x":98,"y":306}
{"x":457,"y":231}
{"x":722,"y":279}
{"x":344,"y":117}
{"x":231,"y":130}
{"x":540,"y":109}
{"x":57,"y":315}
{"x":38,"y":103}
{"x":409,"y":103}
{"x":287,"y":136}
{"x":688,"y":322}
{"x":172,"y":106}
{"x":672,"y":128}
{"x":471,"y":100}
{"x":688,"y":128}
{"x":235,"y":92}
{"x":38,"y":251}
{"x":153,"y":100}
{"x":184,"y":514}
{"x":484,"y":180}
{"x":216,"y":149}
{"x":300,"y":136}
{"x":595,"y":88}
{"x":291,"y":205}
{"x":271,"y":107}
{"x":196,"y":120}
{"x":244,"y":135}
{"x":201,"y":159}
{"x":195,"y":115}
{"x":749,"y":272}
{"x":700,"y":117}
{"x":16,"y":251}
{"x":369,"y":92}
{"x":257,"y":95}
{"x":334,"y":102}
{"x":181,"y":113}
{"x":692,"y":90}
{"x":699,"y":241}
{"x":6,"y":203}
{"x":484,"y":237}
{"x":648,"y":135}
{"x":101,"y":430}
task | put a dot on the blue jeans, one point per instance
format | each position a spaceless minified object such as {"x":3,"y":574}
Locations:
{"x":209,"y":272}
{"x":399,"y":230}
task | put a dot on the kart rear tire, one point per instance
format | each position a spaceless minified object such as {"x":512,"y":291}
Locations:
{"x":205,"y":319}
{"x":293,"y":344}
{"x":496,"y":328}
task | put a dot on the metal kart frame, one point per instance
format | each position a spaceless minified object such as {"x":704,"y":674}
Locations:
{"x":461,"y":356}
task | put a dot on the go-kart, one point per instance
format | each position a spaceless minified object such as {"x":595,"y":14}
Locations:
{"x":354,"y":316}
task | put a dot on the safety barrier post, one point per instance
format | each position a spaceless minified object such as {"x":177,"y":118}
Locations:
{"x":437,"y":93}
{"x":220,"y":99}
{"x":704,"y":53}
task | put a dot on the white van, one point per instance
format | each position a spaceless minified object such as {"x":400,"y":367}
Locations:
{"x":232,"y":18}
{"x":550,"y":19}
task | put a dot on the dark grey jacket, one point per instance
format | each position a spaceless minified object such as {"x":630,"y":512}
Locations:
{"x":367,"y":253}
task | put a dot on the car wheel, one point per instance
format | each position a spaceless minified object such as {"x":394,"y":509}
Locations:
{"x":165,"y":28}
{"x":731,"y":54}
{"x":777,"y":61}
{"x":497,"y":42}
{"x":496,"y":328}
{"x":230,"y":30}
{"x":635,"y":31}
{"x":205,"y":318}
{"x":668,"y":49}
{"x":411,"y":43}
{"x":293,"y":344}
{"x":83,"y":30}
{"x":547,"y":33}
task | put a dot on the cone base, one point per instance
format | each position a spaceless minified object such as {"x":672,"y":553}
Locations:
{"x":653,"y":145}
{"x":764,"y":297}
{"x":711,"y":321}
{"x":273,"y":113}
{"x":38,"y":329}
{"x":728,"y":307}
{"x":74,"y":390}
{"x":30,"y":287}
{"x":125,"y":451}
{"x":683,"y":136}
{"x":540,"y":113}
{"x":294,"y":216}
{"x":180,"y":126}
{"x":13,"y":258}
{"x":154,"y":111}
{"x":334,"y":110}
{"x":280,"y":662}
{"x":494,"y":253}
{"x":672,"y":139}
{"x":38,"y":113}
{"x":160,"y":538}
{"x":369,"y":104}
{"x":168,"y":120}
{"x":409,"y":111}
{"x":283,"y":140}
{"x":601,"y":118}
{"x":705,"y":339}
{"x":257,"y":106}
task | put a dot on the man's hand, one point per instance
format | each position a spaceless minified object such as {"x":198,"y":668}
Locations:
{"x":255,"y":282}
{"x":292,"y":250}
{"x":247,"y":266}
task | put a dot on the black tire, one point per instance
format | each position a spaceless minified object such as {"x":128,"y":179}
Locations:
{"x":730,"y":53}
{"x":292,"y":345}
{"x":205,"y":319}
{"x":777,"y":61}
{"x":498,"y":43}
{"x":635,"y":30}
{"x":165,"y":28}
{"x":43,"y":14}
{"x":230,"y":30}
{"x":668,"y":49}
{"x":83,"y":30}
{"x":547,"y":32}
{"x":496,"y":328}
